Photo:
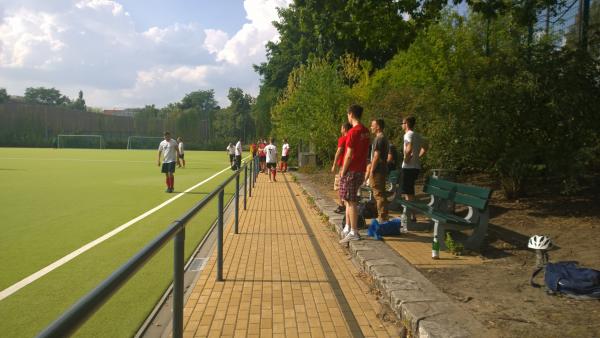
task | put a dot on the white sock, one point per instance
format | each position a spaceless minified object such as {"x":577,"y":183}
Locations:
{"x":347,"y":227}
{"x":352,"y":232}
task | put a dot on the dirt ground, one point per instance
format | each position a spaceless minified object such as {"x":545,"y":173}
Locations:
{"x":498,"y":292}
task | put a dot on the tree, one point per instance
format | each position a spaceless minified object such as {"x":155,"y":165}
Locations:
{"x":3,"y":95}
{"x":48,"y":96}
{"x":79,"y":104}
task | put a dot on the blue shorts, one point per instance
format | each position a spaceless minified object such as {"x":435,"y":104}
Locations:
{"x":168,"y":167}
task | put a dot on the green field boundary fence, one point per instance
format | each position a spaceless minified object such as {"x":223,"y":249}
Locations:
{"x":86,"y":306}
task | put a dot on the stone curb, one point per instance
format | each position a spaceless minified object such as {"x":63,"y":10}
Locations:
{"x":418,"y":304}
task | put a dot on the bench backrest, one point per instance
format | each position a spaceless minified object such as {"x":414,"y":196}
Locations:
{"x":469,"y":195}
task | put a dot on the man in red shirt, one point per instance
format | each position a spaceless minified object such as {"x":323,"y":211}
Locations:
{"x":262,"y":156}
{"x":353,"y":171}
{"x":338,"y":161}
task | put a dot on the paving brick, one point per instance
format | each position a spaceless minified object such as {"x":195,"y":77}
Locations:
{"x":275,"y":281}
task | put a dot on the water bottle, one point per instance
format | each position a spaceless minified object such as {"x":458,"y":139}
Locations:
{"x":403,"y":223}
{"x":435,"y":248}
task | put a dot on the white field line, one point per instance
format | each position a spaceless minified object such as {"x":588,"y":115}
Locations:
{"x":37,"y":275}
{"x":75,"y":159}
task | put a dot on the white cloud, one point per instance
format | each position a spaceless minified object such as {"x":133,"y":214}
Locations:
{"x":94,"y":45}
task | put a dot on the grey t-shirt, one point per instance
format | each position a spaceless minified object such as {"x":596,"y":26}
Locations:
{"x":380,"y":144}
{"x":417,"y":142}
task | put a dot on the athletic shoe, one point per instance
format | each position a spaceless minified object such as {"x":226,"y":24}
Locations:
{"x":350,"y":237}
{"x":345,"y":232}
{"x":168,"y":190}
{"x":340,"y":209}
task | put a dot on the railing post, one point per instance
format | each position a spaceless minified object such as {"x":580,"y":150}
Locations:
{"x":220,"y":238}
{"x":237,"y":201}
{"x":251,"y":177}
{"x":178,"y":266}
{"x":245,"y":184}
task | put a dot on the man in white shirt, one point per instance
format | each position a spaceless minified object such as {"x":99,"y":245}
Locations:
{"x":285,"y":150}
{"x":238,"y":154}
{"x":271,"y":152}
{"x":170,"y":151}
{"x":181,"y":152}
{"x":414,"y":149}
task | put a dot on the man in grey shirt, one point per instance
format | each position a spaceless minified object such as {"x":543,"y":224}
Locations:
{"x":377,"y":171}
{"x":414,"y":148}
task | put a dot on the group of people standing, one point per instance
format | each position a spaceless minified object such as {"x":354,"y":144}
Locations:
{"x":267,"y":156}
{"x":172,"y":152}
{"x":362,"y":160}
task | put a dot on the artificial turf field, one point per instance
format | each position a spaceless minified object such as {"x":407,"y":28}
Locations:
{"x":54,"y":201}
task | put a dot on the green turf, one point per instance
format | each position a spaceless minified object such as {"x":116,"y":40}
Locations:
{"x":55,"y":201}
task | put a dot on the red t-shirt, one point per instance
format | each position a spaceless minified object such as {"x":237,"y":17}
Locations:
{"x":261,"y":150}
{"x":358,"y":140}
{"x":341,"y":144}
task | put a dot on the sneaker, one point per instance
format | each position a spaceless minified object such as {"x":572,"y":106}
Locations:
{"x":168,"y":190}
{"x":350,"y":237}
{"x":340,"y":209}
{"x":345,"y":232}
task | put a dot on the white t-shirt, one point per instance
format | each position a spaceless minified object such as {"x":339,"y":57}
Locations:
{"x":285,"y":149}
{"x":181,"y":148}
{"x":238,"y":148}
{"x":271,"y":151}
{"x":415,"y":139}
{"x":168,"y":149}
{"x":231,"y":149}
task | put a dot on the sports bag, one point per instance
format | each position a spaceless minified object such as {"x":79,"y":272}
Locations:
{"x":378,"y":230}
{"x":569,"y":279}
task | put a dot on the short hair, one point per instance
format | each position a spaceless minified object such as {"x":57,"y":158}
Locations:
{"x":167,"y":133}
{"x":272,"y":140}
{"x":380,"y":123}
{"x":347,"y":126}
{"x":356,"y":110}
{"x":410,"y":121}
{"x":285,"y":140}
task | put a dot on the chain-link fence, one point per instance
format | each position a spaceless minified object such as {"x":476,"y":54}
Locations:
{"x":575,"y":23}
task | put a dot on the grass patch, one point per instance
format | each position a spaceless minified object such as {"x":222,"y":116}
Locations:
{"x":55,"y":201}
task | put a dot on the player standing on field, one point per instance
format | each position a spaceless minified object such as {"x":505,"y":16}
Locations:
{"x":285,"y":150}
{"x":170,"y":151}
{"x":271,"y":158}
{"x":181,"y":152}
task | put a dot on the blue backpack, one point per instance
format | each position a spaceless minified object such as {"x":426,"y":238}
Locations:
{"x":569,"y":279}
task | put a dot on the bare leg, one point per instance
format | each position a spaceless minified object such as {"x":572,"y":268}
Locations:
{"x":352,"y":211}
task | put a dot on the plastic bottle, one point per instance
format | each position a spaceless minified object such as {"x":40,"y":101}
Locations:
{"x":435,"y":248}
{"x":403,"y":223}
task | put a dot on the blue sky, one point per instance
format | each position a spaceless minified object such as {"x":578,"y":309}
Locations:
{"x":227,"y":15}
{"x":129,"y":53}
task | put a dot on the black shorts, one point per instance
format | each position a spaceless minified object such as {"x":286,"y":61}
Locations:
{"x":262,"y":159}
{"x":231,"y":157}
{"x":271,"y":165}
{"x":284,"y":159}
{"x":168,"y":167}
{"x":407,"y":182}
{"x":181,"y":156}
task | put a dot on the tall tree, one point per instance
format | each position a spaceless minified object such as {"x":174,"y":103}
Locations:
{"x":79,"y":104}
{"x":49,"y":96}
{"x":3,"y":95}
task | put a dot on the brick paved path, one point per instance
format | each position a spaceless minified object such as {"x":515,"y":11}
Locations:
{"x":285,"y":276}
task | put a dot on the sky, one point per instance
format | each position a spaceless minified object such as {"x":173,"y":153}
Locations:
{"x":130,"y":53}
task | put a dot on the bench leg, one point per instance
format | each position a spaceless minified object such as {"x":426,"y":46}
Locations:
{"x":440,"y":231}
{"x":474,"y":241}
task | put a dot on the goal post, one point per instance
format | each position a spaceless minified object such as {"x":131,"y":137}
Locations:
{"x":80,"y":141}
{"x":143,"y":142}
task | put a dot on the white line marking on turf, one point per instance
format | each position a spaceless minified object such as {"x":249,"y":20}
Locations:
{"x":37,"y":275}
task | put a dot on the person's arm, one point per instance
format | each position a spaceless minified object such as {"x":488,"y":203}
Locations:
{"x":159,"y":152}
{"x":338,"y":153}
{"x":424,"y":148}
{"x":177,"y":154}
{"x":373,"y":163}
{"x":407,"y":152}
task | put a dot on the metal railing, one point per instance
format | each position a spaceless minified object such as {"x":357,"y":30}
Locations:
{"x":86,"y":306}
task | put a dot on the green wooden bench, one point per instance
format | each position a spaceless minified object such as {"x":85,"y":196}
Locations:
{"x":441,"y":192}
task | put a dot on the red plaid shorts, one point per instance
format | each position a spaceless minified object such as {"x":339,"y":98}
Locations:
{"x":349,"y":185}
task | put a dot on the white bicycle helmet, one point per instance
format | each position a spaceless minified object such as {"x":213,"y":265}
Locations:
{"x":539,"y":242}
